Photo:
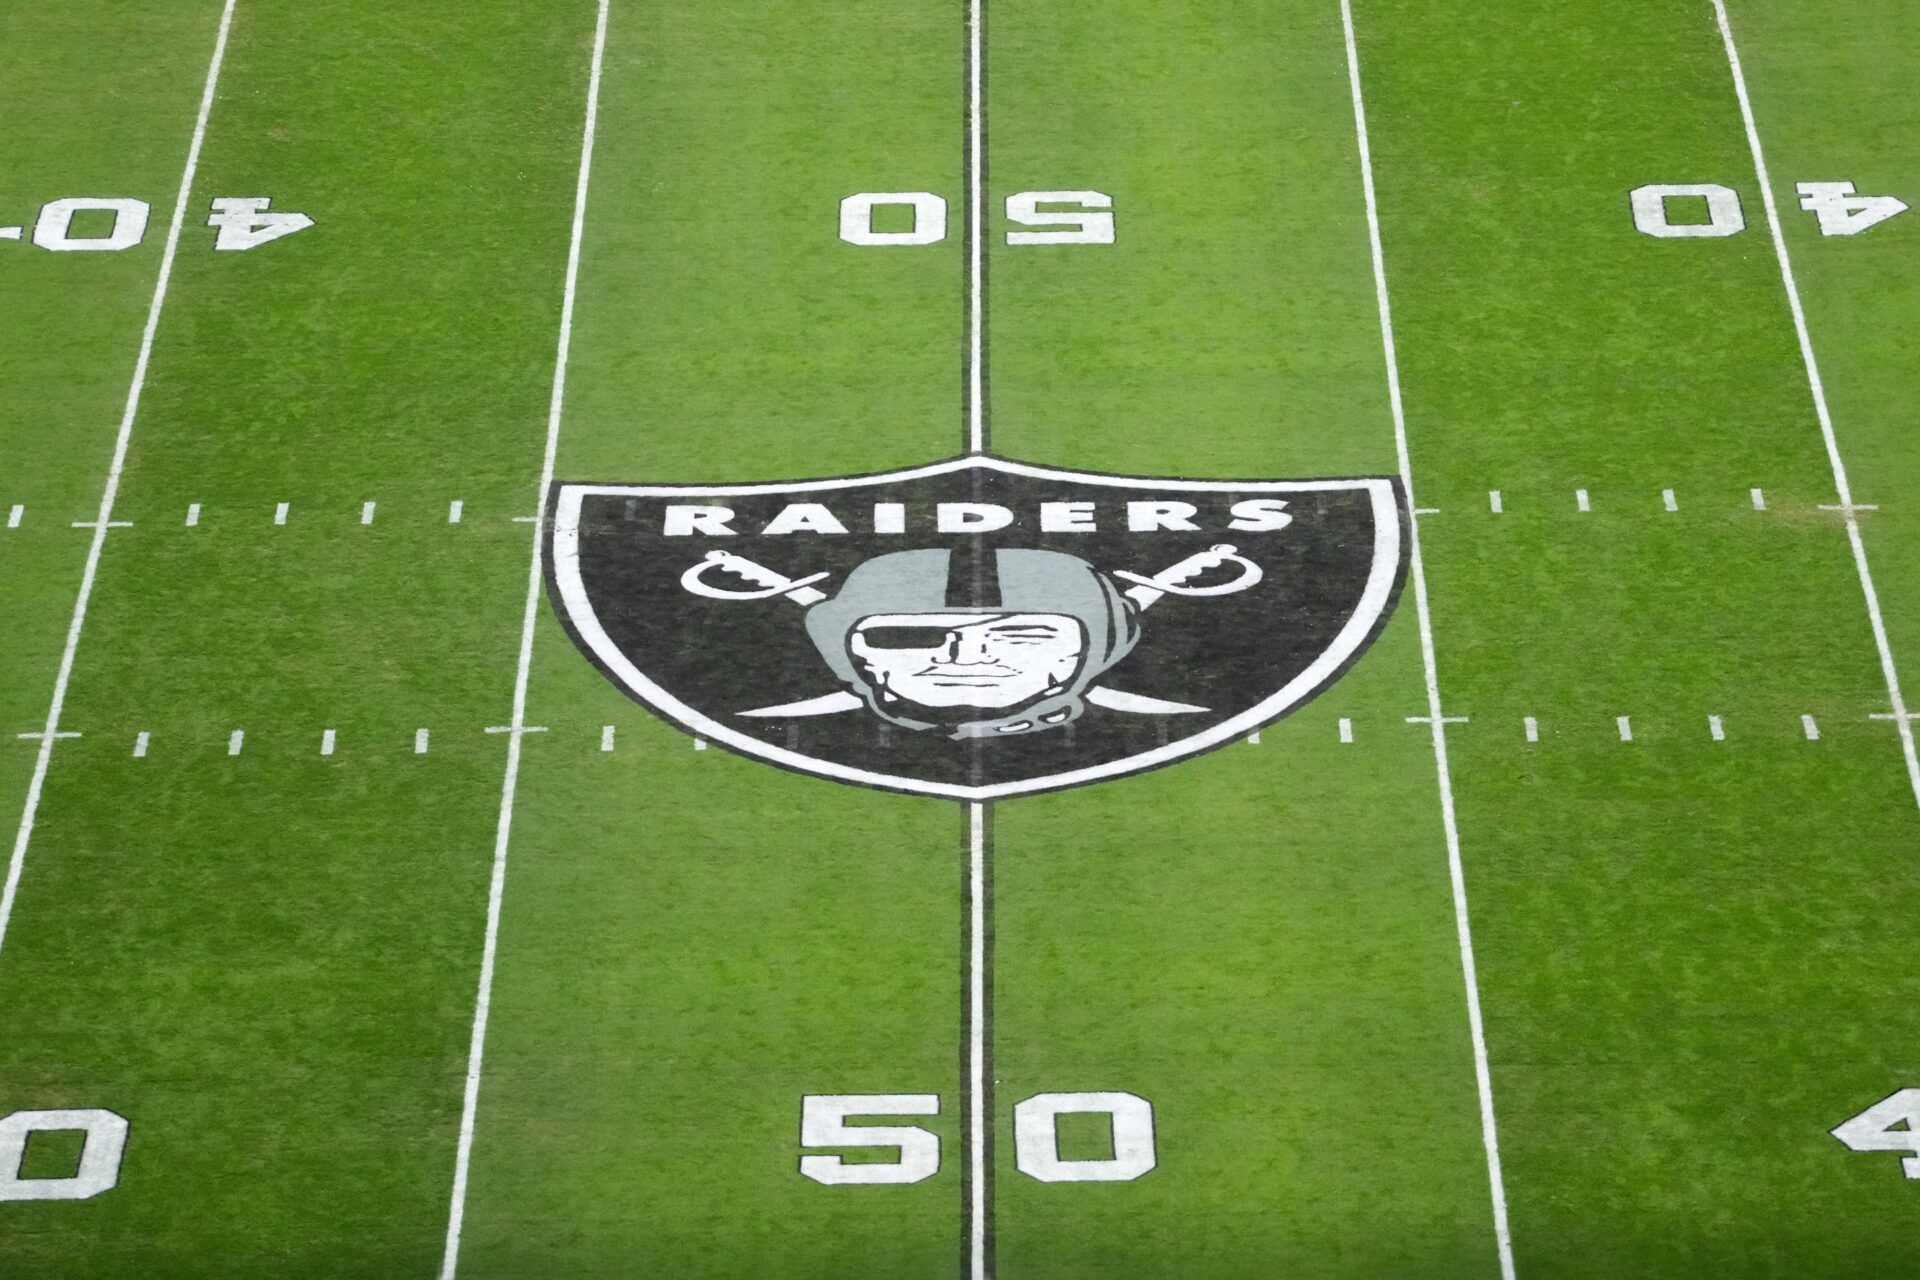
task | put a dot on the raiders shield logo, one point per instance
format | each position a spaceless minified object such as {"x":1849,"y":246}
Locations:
{"x":976,"y":628}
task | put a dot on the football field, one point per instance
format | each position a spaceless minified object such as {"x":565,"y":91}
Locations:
{"x":1172,"y":640}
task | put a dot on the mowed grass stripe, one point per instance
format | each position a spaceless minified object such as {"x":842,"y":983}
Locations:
{"x":1261,"y":942}
{"x":691,"y":942}
{"x":265,"y":961}
{"x":87,"y":121}
{"x":1675,"y":934}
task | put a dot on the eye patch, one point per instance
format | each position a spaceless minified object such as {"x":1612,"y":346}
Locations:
{"x":905,"y":637}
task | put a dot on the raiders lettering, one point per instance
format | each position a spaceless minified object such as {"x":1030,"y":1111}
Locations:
{"x":976,"y":628}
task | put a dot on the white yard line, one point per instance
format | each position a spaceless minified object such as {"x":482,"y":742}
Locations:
{"x":109,"y":492}
{"x":976,"y":239}
{"x":1841,"y":486}
{"x":456,"y":1214}
{"x":978,"y":1120}
{"x":1489,"y":1133}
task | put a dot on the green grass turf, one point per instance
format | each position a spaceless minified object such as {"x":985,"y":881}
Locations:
{"x":1693,"y":954}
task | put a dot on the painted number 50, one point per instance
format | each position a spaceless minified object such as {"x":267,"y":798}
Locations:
{"x":1036,"y":1138}
{"x":920,"y":217}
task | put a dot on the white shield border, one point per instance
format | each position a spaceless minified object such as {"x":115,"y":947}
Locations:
{"x":1382,"y":581}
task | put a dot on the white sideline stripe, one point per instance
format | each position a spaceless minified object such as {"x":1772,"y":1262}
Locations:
{"x":280,"y":513}
{"x":455,"y":510}
{"x":420,"y":739}
{"x":1493,"y":501}
{"x":1580,"y":500}
{"x":366,"y":513}
{"x":1346,"y":729}
{"x":1811,"y":729}
{"x":1841,"y":487}
{"x":193,"y":514}
{"x":1489,"y":1132}
{"x":483,"y":998}
{"x":111,"y":489}
{"x":236,"y":740}
{"x":1625,"y":725}
{"x":1716,"y":728}
{"x":14,"y":515}
{"x":140,"y":742}
{"x":1759,"y":499}
{"x":606,"y":737}
{"x":1672,"y":503}
{"x":326,"y":742}
{"x":1533,"y":729}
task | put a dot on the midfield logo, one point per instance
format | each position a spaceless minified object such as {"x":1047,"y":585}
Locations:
{"x":976,"y":628}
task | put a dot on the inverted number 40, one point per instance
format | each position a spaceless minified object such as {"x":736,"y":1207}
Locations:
{"x":1079,"y":217}
{"x":1839,"y":210}
{"x":1891,"y":1124}
{"x":1036,"y":1137}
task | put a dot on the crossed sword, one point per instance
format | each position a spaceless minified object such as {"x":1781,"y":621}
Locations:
{"x":1144,"y":592}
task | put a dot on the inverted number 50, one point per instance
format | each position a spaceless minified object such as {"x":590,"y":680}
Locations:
{"x":1076,"y":217}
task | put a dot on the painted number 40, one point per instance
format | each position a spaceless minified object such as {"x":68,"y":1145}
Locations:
{"x":1891,"y":1124}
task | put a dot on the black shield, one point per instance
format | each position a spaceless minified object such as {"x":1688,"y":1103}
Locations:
{"x":976,"y":628}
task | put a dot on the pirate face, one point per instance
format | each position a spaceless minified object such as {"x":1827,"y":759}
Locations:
{"x":988,"y":660}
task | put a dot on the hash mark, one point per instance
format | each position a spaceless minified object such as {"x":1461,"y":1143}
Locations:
{"x":1493,"y":501}
{"x":419,"y":742}
{"x":454,"y":510}
{"x":1759,"y":499}
{"x":1672,"y":503}
{"x":366,"y":513}
{"x":14,"y":514}
{"x":193,"y":514}
{"x":1346,"y":729}
{"x":606,"y":737}
{"x":326,"y":743}
{"x":1812,"y":729}
{"x":1715,"y":728}
{"x":140,"y":742}
{"x":235,"y":740}
{"x":1625,"y":724}
{"x":1533,"y":729}
{"x":1580,"y":500}
{"x":280,"y":513}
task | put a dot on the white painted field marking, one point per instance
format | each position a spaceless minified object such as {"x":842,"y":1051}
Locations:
{"x":976,"y":280}
{"x":510,"y":778}
{"x":1811,"y":729}
{"x":1493,"y":501}
{"x":326,"y":742}
{"x":140,"y":742}
{"x":1716,"y":728}
{"x":455,"y":510}
{"x":1671,"y":503}
{"x":1346,"y":729}
{"x":699,"y":744}
{"x":366,"y":513}
{"x":1483,"y":1077}
{"x":977,"y":1117}
{"x":95,"y":524}
{"x":14,"y":515}
{"x":420,"y":739}
{"x":1580,"y":500}
{"x":193,"y":514}
{"x":1842,"y":488}
{"x":236,"y":740}
{"x":1759,"y":499}
{"x":280,"y":513}
{"x":1625,"y":725}
{"x":111,"y":489}
{"x":606,"y":737}
{"x":1533,"y":729}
